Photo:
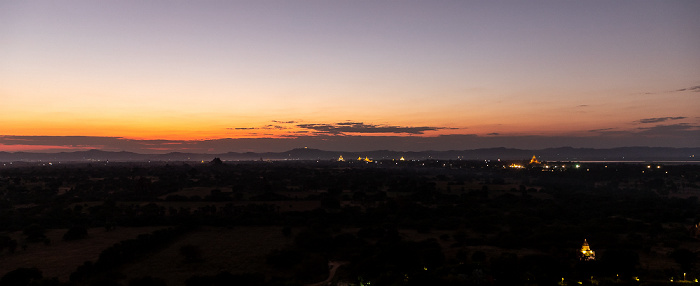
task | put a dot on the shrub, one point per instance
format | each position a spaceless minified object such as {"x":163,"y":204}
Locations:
{"x":75,"y":233}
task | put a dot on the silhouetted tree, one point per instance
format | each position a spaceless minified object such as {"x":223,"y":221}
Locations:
{"x":685,"y":258}
{"x":21,"y":277}
{"x":75,"y":233}
{"x":9,"y":243}
{"x":479,"y":256}
{"x":147,"y":281}
{"x":287,"y":231}
{"x":620,"y":261}
{"x":191,"y":253}
{"x":34,"y":233}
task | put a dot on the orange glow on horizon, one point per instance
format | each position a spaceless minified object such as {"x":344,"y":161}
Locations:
{"x":191,"y":132}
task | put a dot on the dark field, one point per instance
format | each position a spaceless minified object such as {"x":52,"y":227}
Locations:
{"x":381,"y":223}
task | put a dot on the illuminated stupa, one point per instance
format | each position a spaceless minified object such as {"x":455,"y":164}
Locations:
{"x":340,"y":159}
{"x":534,"y":160}
{"x":586,"y":253}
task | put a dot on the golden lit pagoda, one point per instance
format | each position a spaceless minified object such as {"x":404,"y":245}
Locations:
{"x":367,"y":159}
{"x":586,"y":253}
{"x":340,"y":159}
{"x":534,"y":160}
{"x":402,"y":159}
{"x":359,"y":158}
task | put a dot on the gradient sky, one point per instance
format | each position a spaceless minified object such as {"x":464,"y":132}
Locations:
{"x":217,"y":76}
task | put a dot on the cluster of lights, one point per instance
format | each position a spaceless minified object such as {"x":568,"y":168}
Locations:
{"x":684,"y":279}
{"x":562,"y":166}
{"x":636,"y":278}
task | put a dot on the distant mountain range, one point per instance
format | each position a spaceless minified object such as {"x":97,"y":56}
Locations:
{"x":550,"y":154}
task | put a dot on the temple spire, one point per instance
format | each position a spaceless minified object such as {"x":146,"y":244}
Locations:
{"x":534,"y":160}
{"x":586,"y":253}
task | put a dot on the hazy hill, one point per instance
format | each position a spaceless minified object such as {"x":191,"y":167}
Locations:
{"x":550,"y":154}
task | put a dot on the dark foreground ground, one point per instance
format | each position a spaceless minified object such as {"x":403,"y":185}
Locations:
{"x":348,"y":223}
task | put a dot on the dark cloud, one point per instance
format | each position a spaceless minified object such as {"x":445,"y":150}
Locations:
{"x":693,"y":89}
{"x":349,"y":123}
{"x":671,"y":130}
{"x":494,"y":133}
{"x":360,"y":127}
{"x":600,"y":130}
{"x":285,"y":122}
{"x":681,"y":134}
{"x":659,"y":119}
{"x":266,"y":127}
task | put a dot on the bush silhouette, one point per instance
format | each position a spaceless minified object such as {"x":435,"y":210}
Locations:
{"x":75,"y":233}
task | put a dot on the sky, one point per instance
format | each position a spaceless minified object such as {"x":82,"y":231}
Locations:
{"x":218,"y":76}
